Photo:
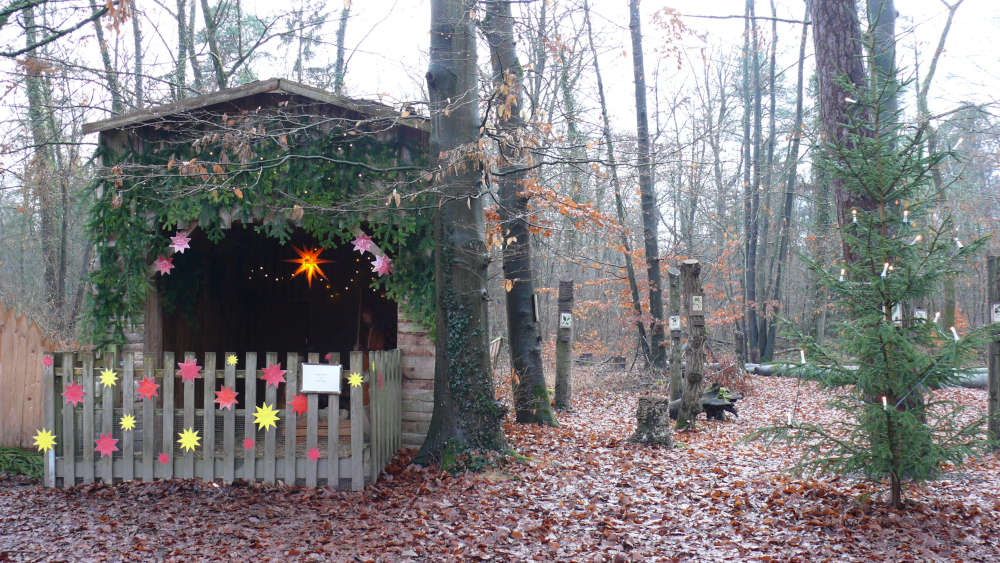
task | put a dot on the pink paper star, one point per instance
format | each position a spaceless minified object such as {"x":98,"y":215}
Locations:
{"x":328,"y":356}
{"x":382,"y":265}
{"x":226,"y":397}
{"x":273,"y":375}
{"x":299,"y":404}
{"x":147,"y":388}
{"x":106,"y":445}
{"x":363,"y":243}
{"x":379,"y":380}
{"x":164,"y":265}
{"x":179,"y":242}
{"x":47,"y":360}
{"x":248,"y":444}
{"x":163,"y":459}
{"x":313,"y":454}
{"x":73,"y":394}
{"x":188,"y":370}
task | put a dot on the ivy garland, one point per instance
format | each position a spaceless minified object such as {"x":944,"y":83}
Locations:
{"x":164,"y":190}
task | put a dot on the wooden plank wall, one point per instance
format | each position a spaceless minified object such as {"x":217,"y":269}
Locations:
{"x":417,"y":363}
{"x":22,"y":345}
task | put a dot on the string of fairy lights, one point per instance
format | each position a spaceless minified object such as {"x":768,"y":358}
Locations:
{"x":261,"y":273}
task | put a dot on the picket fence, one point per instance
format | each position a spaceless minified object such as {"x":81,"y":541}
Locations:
{"x":277,"y":454}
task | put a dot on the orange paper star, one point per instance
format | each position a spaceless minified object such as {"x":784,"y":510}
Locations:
{"x":309,"y":262}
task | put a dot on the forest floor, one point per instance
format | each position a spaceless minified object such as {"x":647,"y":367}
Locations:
{"x":584,"y":494}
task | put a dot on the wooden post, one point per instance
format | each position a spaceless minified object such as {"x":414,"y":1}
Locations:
{"x":333,"y":431}
{"x":564,"y":347}
{"x":106,"y":462}
{"x":69,"y":427}
{"x":148,"y":414}
{"x":357,"y":425}
{"x":208,"y":424}
{"x":187,"y":462}
{"x":128,"y":409}
{"x":312,"y":433}
{"x":993,"y":302}
{"x":87,"y":439}
{"x":168,"y":414}
{"x":249,"y":430}
{"x":229,"y":425}
{"x":694,"y":309}
{"x":270,"y":434}
{"x":48,"y":396}
{"x":291,"y":388}
{"x":676,"y":385}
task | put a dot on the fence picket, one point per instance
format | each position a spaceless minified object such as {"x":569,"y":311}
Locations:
{"x":312,"y":422}
{"x":128,"y":408}
{"x":291,"y":386}
{"x":69,"y":425}
{"x":357,"y":425}
{"x":49,"y":406}
{"x":249,"y":430}
{"x":148,"y":421}
{"x":333,"y":431}
{"x":229,"y":425}
{"x":87,"y":439}
{"x":208,"y":408}
{"x":270,"y":435}
{"x":107,"y":421}
{"x":168,"y":414}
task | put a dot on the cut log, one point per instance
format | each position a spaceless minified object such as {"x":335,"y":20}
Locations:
{"x":653,"y":418}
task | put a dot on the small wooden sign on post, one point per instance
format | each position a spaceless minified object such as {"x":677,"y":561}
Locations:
{"x":321,"y":378}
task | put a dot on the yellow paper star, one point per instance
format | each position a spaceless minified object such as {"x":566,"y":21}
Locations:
{"x":108,"y":377}
{"x":354,"y":379}
{"x":189,"y":439}
{"x":127,"y":422}
{"x":231,"y":360}
{"x":44,"y":440}
{"x":265,"y":417}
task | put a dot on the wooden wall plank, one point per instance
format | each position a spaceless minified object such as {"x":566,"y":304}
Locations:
{"x":208,"y":406}
{"x":291,"y":388}
{"x":168,"y":413}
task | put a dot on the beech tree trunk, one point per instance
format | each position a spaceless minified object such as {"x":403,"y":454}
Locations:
{"x":531,"y":398}
{"x":466,"y":415}
{"x":340,"y":67}
{"x":647,"y":195}
{"x":694,"y":364}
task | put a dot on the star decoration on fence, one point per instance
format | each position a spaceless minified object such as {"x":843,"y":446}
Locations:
{"x":273,"y":375}
{"x":163,"y":459}
{"x":189,"y":439}
{"x":47,"y":361}
{"x":226,"y":397}
{"x":313,"y":454}
{"x":354,"y":379}
{"x":73,"y":394}
{"x":248,"y":444}
{"x":179,"y":242}
{"x":379,"y":380}
{"x":382,"y":265}
{"x":265,"y":417}
{"x":44,"y":440}
{"x":188,"y":370}
{"x":299,"y":404}
{"x":362,"y":243}
{"x":231,"y":360}
{"x":106,"y":444}
{"x":108,"y":377}
{"x":148,"y":388}
{"x":163,"y":265}
{"x":127,"y":422}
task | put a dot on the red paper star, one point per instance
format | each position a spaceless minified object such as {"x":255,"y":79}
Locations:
{"x":313,"y":454}
{"x":274,"y":375}
{"x":147,"y":388}
{"x":164,"y":265}
{"x":226,"y":397}
{"x":363,"y":243}
{"x":328,"y":356}
{"x":382,"y":265}
{"x":106,"y":445}
{"x":299,"y":404}
{"x":73,"y":394}
{"x":379,"y":380}
{"x":179,"y":242}
{"x":47,"y":360}
{"x":164,"y":459}
{"x":248,"y":444}
{"x":188,"y":370}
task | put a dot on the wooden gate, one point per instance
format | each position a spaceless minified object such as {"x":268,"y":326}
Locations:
{"x":319,"y":446}
{"x":21,"y":351}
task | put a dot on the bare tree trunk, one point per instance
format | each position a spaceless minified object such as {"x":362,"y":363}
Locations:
{"x":137,"y":37}
{"x":192,"y":57}
{"x":180,"y":66}
{"x":531,"y":398}
{"x":110,"y":74}
{"x":340,"y":68}
{"x":616,"y":185}
{"x":650,"y":214}
{"x":466,"y":415}
{"x":694,"y":303}
{"x":211,"y":29}
{"x":753,"y":217}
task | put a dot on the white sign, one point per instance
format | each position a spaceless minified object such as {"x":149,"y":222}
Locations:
{"x":565,"y":320}
{"x":996,"y":312}
{"x":920,"y":314}
{"x":696,"y":305}
{"x":321,"y":378}
{"x":675,"y":322}
{"x":897,"y":314}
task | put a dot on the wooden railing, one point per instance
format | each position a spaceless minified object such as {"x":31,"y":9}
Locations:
{"x":230,"y":446}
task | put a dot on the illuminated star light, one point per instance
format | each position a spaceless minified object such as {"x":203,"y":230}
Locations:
{"x":309,"y":262}
{"x":189,"y":439}
{"x":265,"y":417}
{"x":382,"y":265}
{"x":108,"y":378}
{"x":44,"y":440}
{"x":73,"y":394}
{"x":128,"y":422}
{"x":164,"y":265}
{"x":363,"y":243}
{"x":179,"y":242}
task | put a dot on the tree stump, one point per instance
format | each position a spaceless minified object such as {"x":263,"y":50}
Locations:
{"x":653,"y":422}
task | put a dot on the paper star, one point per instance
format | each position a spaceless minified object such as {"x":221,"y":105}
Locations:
{"x":163,"y":459}
{"x":328,"y":356}
{"x":299,"y":404}
{"x":363,"y":243}
{"x":179,"y":242}
{"x":189,"y":439}
{"x":226,"y":397}
{"x":73,"y":394}
{"x":147,"y":388}
{"x":164,"y":265}
{"x":382,"y":265}
{"x":313,"y":454}
{"x":354,"y":379}
{"x":44,"y":440}
{"x":273,"y":375}
{"x":231,"y":360}
{"x":265,"y":417}
{"x":106,"y":445}
{"x":248,"y":444}
{"x":108,"y":377}
{"x":128,"y":422}
{"x":47,"y":360}
{"x":379,"y":380}
{"x":188,"y":370}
